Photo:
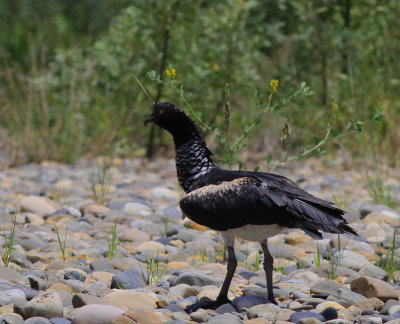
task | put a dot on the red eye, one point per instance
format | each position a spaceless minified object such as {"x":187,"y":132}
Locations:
{"x":161,"y":111}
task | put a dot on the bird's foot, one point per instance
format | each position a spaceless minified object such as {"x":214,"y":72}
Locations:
{"x":207,"y":303}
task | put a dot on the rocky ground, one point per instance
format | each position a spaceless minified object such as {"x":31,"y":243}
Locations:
{"x":164,"y":263}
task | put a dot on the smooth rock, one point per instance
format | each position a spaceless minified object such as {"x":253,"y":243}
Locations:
{"x":47,"y":304}
{"x":130,"y":279}
{"x":389,"y":303}
{"x":164,"y":193}
{"x":372,"y":287}
{"x":135,"y":208}
{"x":184,"y":290}
{"x":309,"y":320}
{"x":373,"y":304}
{"x":80,"y":300}
{"x":131,"y":299}
{"x":193,"y":278}
{"x":225,"y":319}
{"x":330,"y":313}
{"x":296,"y":317}
{"x":11,"y":319}
{"x":94,"y":314}
{"x":268,"y":311}
{"x":199,"y":316}
{"x":373,"y":271}
{"x":37,"y":205}
{"x":37,"y":320}
{"x":11,"y":296}
{"x":243,"y":303}
{"x":124,"y":264}
{"x":134,"y":235}
{"x":59,"y":320}
{"x":350,"y":259}
{"x":95,"y":209}
{"x":156,"y":247}
{"x":9,"y":274}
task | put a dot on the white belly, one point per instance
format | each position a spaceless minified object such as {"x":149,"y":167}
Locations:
{"x":256,"y":233}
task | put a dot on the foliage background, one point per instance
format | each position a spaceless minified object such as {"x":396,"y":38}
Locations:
{"x":66,"y":87}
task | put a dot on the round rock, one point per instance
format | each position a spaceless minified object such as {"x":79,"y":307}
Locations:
{"x":47,"y":304}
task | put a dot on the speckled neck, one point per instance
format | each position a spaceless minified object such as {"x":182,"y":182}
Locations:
{"x":193,"y":159}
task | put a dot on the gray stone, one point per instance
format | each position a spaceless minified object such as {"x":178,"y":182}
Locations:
{"x":187,"y":235}
{"x":225,"y":319}
{"x":268,"y":311}
{"x":37,"y":205}
{"x":243,"y":303}
{"x":374,"y":271}
{"x":59,"y":320}
{"x":135,"y":208}
{"x":262,"y":292}
{"x":296,"y":317}
{"x":11,"y":296}
{"x":388,"y":305}
{"x":365,"y":208}
{"x":11,"y":319}
{"x":94,"y":314}
{"x":326,"y":270}
{"x":184,"y":290}
{"x":200,"y":316}
{"x":173,"y":212}
{"x":338,"y":321}
{"x":130,"y":279}
{"x":101,"y":265}
{"x":47,"y":304}
{"x":9,"y":274}
{"x":350,"y":259}
{"x":193,"y":278}
{"x":37,"y":320}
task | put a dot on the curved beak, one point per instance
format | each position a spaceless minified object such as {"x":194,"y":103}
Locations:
{"x":149,"y":119}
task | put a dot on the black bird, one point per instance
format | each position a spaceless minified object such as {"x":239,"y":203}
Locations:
{"x":246,"y":204}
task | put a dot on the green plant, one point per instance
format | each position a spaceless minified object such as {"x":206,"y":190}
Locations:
{"x":317,"y":257}
{"x":335,"y":264}
{"x":113,"y":241}
{"x":100,"y":180}
{"x":6,"y":249}
{"x":166,"y":227}
{"x":257,"y":261}
{"x":154,"y":273}
{"x":61,"y":243}
{"x":390,"y":263}
{"x":203,"y":255}
{"x":377,"y":190}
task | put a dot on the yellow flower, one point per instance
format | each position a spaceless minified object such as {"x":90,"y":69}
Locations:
{"x":274,"y":85}
{"x":171,"y":72}
{"x":334,"y":107}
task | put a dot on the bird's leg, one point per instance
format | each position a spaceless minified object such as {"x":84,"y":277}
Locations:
{"x":223,"y":293}
{"x":268,"y":268}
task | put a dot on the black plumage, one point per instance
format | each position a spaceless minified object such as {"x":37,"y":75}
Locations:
{"x":251,"y":205}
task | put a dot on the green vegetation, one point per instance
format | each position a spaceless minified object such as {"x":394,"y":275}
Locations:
{"x":100,"y":179}
{"x":317,"y":257}
{"x":6,"y":248}
{"x":334,"y":264}
{"x":113,"y":241}
{"x":390,"y":263}
{"x":62,"y":243}
{"x":68,"y":87}
{"x":154,"y":273}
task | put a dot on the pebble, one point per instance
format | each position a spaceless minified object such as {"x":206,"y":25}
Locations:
{"x":47,"y":304}
{"x":372,"y":287}
{"x":90,"y":288}
{"x":129,"y":279}
{"x":94,"y":314}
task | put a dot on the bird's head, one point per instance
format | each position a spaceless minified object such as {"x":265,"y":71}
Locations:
{"x":171,"y":118}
